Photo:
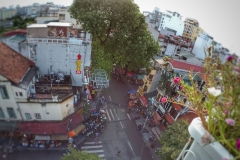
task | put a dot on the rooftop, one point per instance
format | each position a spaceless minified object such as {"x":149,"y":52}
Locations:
{"x":186,"y":66}
{"x":37,"y":26}
{"x":13,"y":65}
{"x":15,"y":32}
{"x":50,"y":127}
{"x":59,"y":24}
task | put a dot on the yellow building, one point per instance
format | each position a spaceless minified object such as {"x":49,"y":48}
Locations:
{"x":7,"y":13}
{"x":191,"y":29}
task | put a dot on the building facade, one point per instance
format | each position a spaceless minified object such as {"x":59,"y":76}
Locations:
{"x":203,"y":42}
{"x":191,"y":29}
{"x":60,"y":48}
{"x":171,"y":20}
{"x":7,"y":13}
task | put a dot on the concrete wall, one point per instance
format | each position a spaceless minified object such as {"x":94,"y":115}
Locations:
{"x":62,"y":57}
{"x":200,"y":45}
{"x":49,"y":111}
{"x":41,"y":20}
{"x":10,"y":102}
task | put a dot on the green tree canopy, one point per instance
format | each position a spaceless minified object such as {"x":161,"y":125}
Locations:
{"x":80,"y":155}
{"x":173,"y":140}
{"x":119,"y":32}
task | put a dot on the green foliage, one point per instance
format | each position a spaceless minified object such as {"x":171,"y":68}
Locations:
{"x":119,"y":32}
{"x":218,"y":103}
{"x":86,"y":109}
{"x":80,"y":155}
{"x":164,"y":83}
{"x":22,"y":23}
{"x":173,"y":140}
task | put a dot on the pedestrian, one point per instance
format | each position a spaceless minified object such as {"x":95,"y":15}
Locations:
{"x":118,"y":152}
{"x":93,"y":93}
{"x":96,"y":134}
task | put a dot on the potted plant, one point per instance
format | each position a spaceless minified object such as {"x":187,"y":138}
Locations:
{"x":216,"y":132}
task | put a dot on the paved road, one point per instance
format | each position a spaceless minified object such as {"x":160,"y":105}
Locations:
{"x":35,"y":155}
{"x":120,"y":132}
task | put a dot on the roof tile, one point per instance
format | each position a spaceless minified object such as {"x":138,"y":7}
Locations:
{"x":186,"y":66}
{"x":12,"y":64}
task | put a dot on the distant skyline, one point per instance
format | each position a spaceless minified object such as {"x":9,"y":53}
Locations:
{"x":219,"y":18}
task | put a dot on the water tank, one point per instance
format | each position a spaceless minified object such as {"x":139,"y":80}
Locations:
{"x":82,"y":34}
{"x":75,"y":99}
{"x":52,"y":74}
{"x":61,"y":76}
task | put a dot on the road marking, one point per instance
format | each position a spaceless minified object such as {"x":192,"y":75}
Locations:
{"x":128,"y":116}
{"x":110,"y":98}
{"x":130,"y":146}
{"x":101,"y":155}
{"x":92,"y":142}
{"x":122,"y":110}
{"x":95,"y":151}
{"x":121,"y":124}
{"x":108,"y":115}
{"x":88,"y":147}
{"x":112,"y":114}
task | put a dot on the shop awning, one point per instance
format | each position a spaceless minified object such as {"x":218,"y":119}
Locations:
{"x":156,"y":118}
{"x":42,"y":137}
{"x":79,"y":128}
{"x":144,"y":100}
{"x":76,"y":131}
{"x":58,"y":137}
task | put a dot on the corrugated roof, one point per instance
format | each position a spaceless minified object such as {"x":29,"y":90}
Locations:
{"x":37,"y":26}
{"x":13,"y":65}
{"x":186,"y":66}
{"x":60,"y":24}
{"x":15,"y":32}
{"x":50,"y":127}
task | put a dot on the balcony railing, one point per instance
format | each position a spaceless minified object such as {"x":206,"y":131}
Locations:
{"x":76,"y":41}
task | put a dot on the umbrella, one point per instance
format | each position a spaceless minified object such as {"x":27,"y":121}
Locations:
{"x":102,"y":111}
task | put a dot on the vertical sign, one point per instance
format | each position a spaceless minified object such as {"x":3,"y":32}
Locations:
{"x":78,"y":64}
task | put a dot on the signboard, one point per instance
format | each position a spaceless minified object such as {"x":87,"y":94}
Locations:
{"x":78,"y":64}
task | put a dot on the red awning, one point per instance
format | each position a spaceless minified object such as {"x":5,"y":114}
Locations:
{"x":50,"y":128}
{"x":144,"y":100}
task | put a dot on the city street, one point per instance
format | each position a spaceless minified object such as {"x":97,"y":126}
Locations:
{"x":120,"y":133}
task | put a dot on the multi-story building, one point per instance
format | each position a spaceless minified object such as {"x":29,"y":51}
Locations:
{"x":7,"y":13}
{"x":191,"y":29}
{"x":203,"y":42}
{"x":55,"y":15}
{"x":43,"y":103}
{"x":60,"y":48}
{"x":152,"y":79}
{"x":171,"y":20}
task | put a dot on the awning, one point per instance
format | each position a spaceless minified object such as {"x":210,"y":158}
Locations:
{"x":156,"y":118}
{"x":76,"y":131}
{"x":42,"y":137}
{"x":144,"y":100}
{"x":79,"y":128}
{"x":58,"y":137}
{"x":8,"y":126}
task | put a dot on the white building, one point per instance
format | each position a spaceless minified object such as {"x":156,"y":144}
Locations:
{"x":203,"y":42}
{"x":55,"y":14}
{"x":28,"y":96}
{"x":55,"y":47}
{"x":172,"y":20}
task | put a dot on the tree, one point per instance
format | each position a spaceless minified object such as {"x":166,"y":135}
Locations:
{"x":119,"y":32}
{"x":173,"y":140}
{"x":80,"y":155}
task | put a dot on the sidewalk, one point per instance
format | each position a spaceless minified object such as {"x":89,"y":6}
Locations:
{"x":146,"y":136}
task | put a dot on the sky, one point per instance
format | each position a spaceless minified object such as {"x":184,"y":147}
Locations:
{"x":219,"y":18}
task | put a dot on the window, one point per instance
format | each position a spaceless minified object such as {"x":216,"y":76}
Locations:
{"x":11,"y":113}
{"x":37,"y":115}
{"x":1,"y":113}
{"x":61,"y":16}
{"x":20,"y":93}
{"x":28,"y":116}
{"x":3,"y":92}
{"x":16,"y":94}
